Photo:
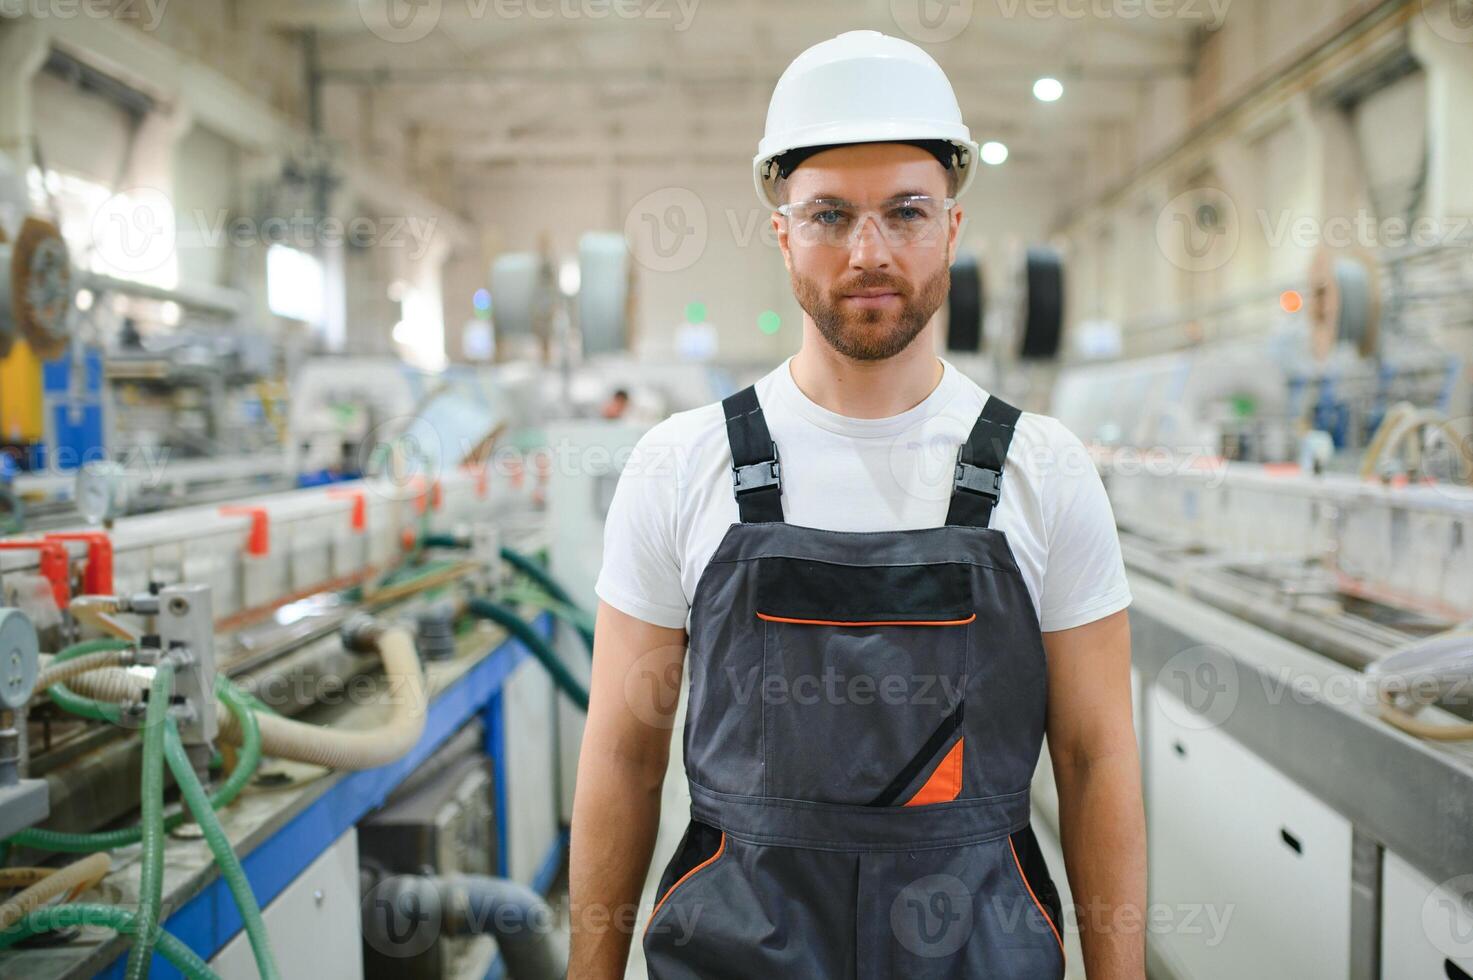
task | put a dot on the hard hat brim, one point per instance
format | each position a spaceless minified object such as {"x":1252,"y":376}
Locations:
{"x":846,"y":133}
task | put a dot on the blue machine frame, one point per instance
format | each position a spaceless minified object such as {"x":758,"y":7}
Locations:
{"x":209,"y":920}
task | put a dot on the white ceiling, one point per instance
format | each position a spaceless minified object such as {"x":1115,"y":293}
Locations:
{"x":489,"y":84}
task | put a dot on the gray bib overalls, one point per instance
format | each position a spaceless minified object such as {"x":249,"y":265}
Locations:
{"x":866,"y":712}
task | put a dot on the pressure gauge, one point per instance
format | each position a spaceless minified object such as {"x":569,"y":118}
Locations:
{"x":19,"y":659}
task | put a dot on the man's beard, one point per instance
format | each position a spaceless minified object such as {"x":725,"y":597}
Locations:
{"x":872,"y":334}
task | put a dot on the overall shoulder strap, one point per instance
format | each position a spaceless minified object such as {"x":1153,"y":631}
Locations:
{"x":756,"y":472}
{"x":977,"y":484}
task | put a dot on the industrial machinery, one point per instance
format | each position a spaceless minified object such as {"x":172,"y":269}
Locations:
{"x":327,"y":675}
{"x":1299,"y":539}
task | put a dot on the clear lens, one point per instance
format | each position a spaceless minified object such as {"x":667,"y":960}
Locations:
{"x":901,"y":222}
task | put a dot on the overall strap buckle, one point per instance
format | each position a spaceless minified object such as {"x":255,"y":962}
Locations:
{"x":981,"y":480}
{"x":757,"y":476}
{"x":756,"y":472}
{"x":976,"y":487}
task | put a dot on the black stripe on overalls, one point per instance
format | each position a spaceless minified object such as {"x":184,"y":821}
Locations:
{"x":977,"y":483}
{"x":755,"y":468}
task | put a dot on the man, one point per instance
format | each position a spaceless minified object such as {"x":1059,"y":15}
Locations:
{"x":891,"y":584}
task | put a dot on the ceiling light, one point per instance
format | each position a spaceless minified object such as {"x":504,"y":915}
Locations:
{"x":994,"y":152}
{"x":1048,"y":89}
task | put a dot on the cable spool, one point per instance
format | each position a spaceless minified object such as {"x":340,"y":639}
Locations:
{"x":1041,"y":309}
{"x":521,"y":288}
{"x":605,"y":293}
{"x":965,"y":306}
{"x":1344,"y":303}
{"x":36,"y":289}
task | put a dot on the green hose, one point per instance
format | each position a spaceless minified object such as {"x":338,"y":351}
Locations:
{"x":107,"y":917}
{"x":533,"y":569}
{"x":580,"y":621}
{"x":151,"y":872}
{"x":250,"y":757}
{"x":556,"y":599}
{"x":230,"y":869}
{"x":486,"y":609}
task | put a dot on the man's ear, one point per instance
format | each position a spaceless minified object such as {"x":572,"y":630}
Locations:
{"x":957,"y":216}
{"x":780,"y":227}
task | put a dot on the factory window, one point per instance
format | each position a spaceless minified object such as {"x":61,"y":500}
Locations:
{"x":129,"y":234}
{"x":296,"y":285}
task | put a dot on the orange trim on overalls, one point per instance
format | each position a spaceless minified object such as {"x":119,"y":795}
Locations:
{"x":1019,"y":865}
{"x":720,"y":849}
{"x":869,"y":622}
{"x":945,"y":783}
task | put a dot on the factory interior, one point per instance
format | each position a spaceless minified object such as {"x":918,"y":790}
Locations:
{"x":326,"y":328}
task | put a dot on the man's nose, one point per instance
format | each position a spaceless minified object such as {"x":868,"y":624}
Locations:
{"x":867,"y":247}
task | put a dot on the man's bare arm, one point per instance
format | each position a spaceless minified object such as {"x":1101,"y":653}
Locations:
{"x":1097,"y":769}
{"x":621,"y":768}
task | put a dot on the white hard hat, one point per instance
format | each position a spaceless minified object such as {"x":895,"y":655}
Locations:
{"x":861,"y":87}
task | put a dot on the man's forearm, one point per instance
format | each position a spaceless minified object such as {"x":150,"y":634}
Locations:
{"x":616,"y":814}
{"x":1103,"y":832}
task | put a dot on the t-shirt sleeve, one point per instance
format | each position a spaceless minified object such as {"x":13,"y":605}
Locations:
{"x":640,"y":575}
{"x":1084,"y":576}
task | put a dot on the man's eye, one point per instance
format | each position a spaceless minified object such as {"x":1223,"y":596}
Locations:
{"x":908,"y":212}
{"x":830,"y":216}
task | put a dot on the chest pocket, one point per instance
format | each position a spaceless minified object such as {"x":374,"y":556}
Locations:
{"x":864,"y":673}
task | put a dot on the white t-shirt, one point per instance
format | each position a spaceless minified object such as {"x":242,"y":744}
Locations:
{"x":674,"y":499}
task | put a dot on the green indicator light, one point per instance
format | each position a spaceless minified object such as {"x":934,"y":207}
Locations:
{"x":695,"y":312}
{"x":769,"y":322}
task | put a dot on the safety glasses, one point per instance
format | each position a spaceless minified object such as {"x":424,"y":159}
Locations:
{"x":902,"y":221}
